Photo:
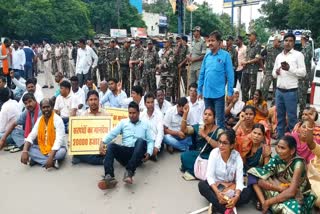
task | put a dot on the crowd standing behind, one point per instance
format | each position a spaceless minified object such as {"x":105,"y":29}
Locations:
{"x":225,"y":140}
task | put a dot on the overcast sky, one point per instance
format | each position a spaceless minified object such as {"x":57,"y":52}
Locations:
{"x":217,"y":6}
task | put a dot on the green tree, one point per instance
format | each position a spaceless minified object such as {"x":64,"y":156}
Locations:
{"x":277,"y":14}
{"x":260,"y":27}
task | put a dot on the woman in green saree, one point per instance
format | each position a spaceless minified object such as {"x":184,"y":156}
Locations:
{"x":282,"y":185}
{"x":203,"y":135}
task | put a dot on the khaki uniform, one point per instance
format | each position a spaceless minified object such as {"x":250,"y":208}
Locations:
{"x":249,"y":76}
{"x":198,"y":49}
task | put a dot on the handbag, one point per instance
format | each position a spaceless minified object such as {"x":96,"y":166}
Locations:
{"x":201,"y":164}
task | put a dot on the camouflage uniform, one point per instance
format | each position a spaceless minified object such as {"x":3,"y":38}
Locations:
{"x":150,"y":60}
{"x":304,"y":83}
{"x":234,"y":56}
{"x":249,"y":76}
{"x":53,"y":60}
{"x":124,"y":58}
{"x":136,"y":54}
{"x":112,"y":67}
{"x":180,"y":55}
{"x":102,"y":64}
{"x":167,"y":73}
{"x":270,"y":58}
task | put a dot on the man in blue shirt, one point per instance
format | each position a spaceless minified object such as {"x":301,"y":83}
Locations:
{"x":216,"y":71}
{"x":115,"y":96}
{"x":29,"y":59}
{"x":136,"y":146}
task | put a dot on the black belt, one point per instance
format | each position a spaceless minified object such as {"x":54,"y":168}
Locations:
{"x":287,"y":90}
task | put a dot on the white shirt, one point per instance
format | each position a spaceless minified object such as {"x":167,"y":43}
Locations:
{"x":156,"y":123}
{"x":58,"y":51}
{"x":125,"y":103}
{"x":18,"y":59}
{"x":59,"y":128}
{"x":86,"y":58}
{"x":101,"y":94}
{"x":172,"y":120}
{"x":195,"y":111}
{"x":289,"y":79}
{"x":9,"y":112}
{"x":38,"y":94}
{"x":46,"y":52}
{"x":165,"y":106}
{"x":237,"y":108}
{"x":220,"y":171}
{"x":242,"y":55}
{"x":77,"y":99}
{"x":64,"y":105}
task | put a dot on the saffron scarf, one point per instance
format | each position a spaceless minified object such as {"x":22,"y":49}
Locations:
{"x":28,"y":123}
{"x":46,"y":135}
{"x":5,"y":62}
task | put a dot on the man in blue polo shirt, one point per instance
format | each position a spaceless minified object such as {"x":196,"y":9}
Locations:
{"x":216,"y":71}
{"x":29,"y":59}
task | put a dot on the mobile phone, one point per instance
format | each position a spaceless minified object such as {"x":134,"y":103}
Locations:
{"x":221,"y":187}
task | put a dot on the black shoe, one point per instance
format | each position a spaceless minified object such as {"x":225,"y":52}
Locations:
{"x":128,"y":177}
{"x":32,"y":163}
{"x":45,"y":86}
{"x":107,"y":182}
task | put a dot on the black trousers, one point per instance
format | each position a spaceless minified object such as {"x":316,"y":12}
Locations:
{"x":130,"y":157}
{"x":207,"y":192}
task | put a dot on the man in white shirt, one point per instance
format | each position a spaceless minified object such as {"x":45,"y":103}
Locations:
{"x":78,"y":97}
{"x":288,"y":68}
{"x":46,"y":144}
{"x":87,"y":59}
{"x":103,"y":89}
{"x":71,"y":64}
{"x":174,"y":138}
{"x":196,"y":105}
{"x":242,"y":55}
{"x":136,"y":96}
{"x":18,"y":60}
{"x":31,"y":87}
{"x":115,"y":96}
{"x":46,"y":56}
{"x":63,"y":106}
{"x":160,"y":103}
{"x":155,"y":118}
{"x":58,"y":55}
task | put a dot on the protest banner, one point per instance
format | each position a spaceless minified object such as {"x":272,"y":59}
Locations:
{"x":117,"y":115}
{"x":86,"y":133}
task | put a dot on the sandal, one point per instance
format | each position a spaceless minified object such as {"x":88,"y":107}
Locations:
{"x":15,"y":149}
{"x":259,"y":206}
{"x":8,"y":148}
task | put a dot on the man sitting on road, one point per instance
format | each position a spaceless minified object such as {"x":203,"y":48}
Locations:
{"x":136,"y":146}
{"x":103,"y":89}
{"x":63,"y":105}
{"x":46,"y":144}
{"x":26,"y":119}
{"x":31,"y":87}
{"x":115,"y":96}
{"x":160,"y":103}
{"x":174,"y":138}
{"x":93,"y":110}
{"x":136,"y":96}
{"x":196,"y":105}
{"x":78,"y":97}
{"x":155,"y":118}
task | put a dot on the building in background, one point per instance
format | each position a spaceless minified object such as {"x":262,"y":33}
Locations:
{"x":156,"y":24}
{"x":137,"y":4}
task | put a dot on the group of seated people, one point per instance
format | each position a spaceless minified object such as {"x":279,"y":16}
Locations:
{"x":238,"y":162}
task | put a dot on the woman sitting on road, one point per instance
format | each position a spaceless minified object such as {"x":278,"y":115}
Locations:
{"x":282,"y":185}
{"x":243,"y":129}
{"x":224,"y":185}
{"x":260,"y":105}
{"x":205,"y":135}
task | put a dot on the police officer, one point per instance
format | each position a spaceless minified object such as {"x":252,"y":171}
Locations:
{"x":134,"y":63}
{"x":149,"y":62}
{"x":249,"y":76}
{"x":166,"y":68}
{"x":102,"y":64}
{"x":232,"y":51}
{"x":305,"y":82}
{"x":124,"y":58}
{"x":271,"y":54}
{"x":112,"y":54}
{"x":180,"y":53}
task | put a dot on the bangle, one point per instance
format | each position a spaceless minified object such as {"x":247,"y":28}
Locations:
{"x":310,"y":129}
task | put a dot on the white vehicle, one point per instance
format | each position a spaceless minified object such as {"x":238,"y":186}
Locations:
{"x":315,"y":89}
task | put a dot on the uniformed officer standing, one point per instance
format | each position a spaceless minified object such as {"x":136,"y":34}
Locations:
{"x":112,"y":54}
{"x":134,"y":63}
{"x":102,"y":64}
{"x":305,"y":82}
{"x":149,"y":62}
{"x":198,"y":50}
{"x":232,"y":51}
{"x":180,"y":54}
{"x":249,"y":76}
{"x":270,"y":58}
{"x":124,"y":58}
{"x":166,"y":68}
